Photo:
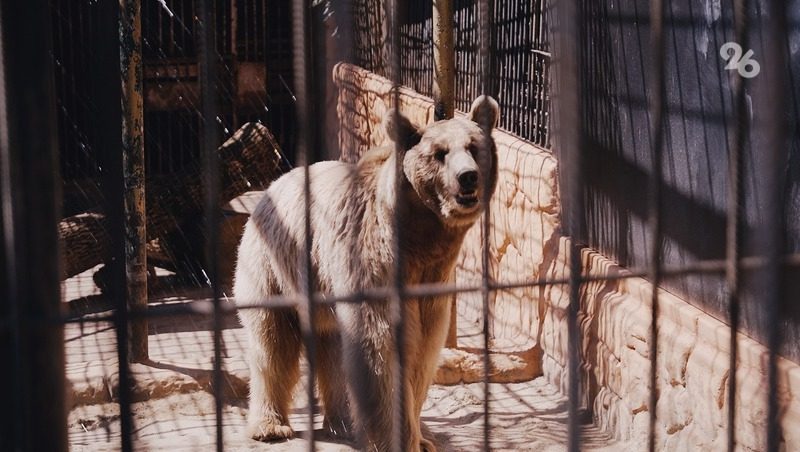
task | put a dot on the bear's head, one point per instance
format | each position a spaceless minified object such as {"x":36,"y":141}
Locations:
{"x":451,"y":164}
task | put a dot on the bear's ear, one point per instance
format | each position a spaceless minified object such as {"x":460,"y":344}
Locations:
{"x":400,"y":130}
{"x":485,"y":111}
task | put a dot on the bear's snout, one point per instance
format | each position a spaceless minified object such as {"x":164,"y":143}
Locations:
{"x":468,"y":180}
{"x":468,"y":186}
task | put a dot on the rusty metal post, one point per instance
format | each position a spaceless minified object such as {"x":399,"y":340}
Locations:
{"x":444,"y":73}
{"x":444,"y":77}
{"x":130,"y":38}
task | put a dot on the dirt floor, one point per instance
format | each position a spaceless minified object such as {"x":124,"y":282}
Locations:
{"x":525,"y":417}
{"x":176,"y":412}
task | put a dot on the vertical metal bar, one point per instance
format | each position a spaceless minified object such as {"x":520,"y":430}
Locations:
{"x":207,"y":53}
{"x":234,"y":30}
{"x":657,"y":112}
{"x":130,"y":58}
{"x":108,"y":93}
{"x":30,"y":190}
{"x":397,"y":298}
{"x":574,"y":346}
{"x":568,"y":139}
{"x":444,"y":78}
{"x":773,"y":123}
{"x":444,"y":74}
{"x":306,"y":147}
{"x":13,"y":432}
{"x":485,"y":11}
{"x":734,"y":215}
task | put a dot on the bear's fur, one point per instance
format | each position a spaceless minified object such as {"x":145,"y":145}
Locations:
{"x":448,"y":169}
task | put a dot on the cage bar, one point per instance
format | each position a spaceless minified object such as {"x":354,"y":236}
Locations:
{"x":130,"y":39}
{"x":305,"y":150}
{"x":773,"y":105}
{"x":207,"y":69}
{"x":657,"y":106}
{"x":29,"y":190}
{"x":564,"y":25}
{"x":109,"y":139}
{"x":444,"y":74}
{"x":734,"y":219}
{"x":397,"y":294}
{"x":484,"y":26}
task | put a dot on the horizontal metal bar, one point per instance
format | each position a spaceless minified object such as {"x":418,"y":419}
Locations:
{"x":205,"y":306}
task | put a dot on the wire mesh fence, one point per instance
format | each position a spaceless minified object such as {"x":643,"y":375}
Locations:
{"x":235,"y":93}
{"x":520,"y":56}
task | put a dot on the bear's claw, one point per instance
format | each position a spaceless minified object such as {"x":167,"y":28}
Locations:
{"x":338,"y":428}
{"x":269,"y":430}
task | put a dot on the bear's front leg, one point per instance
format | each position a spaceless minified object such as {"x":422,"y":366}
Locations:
{"x":369,"y":357}
{"x":427,"y":324}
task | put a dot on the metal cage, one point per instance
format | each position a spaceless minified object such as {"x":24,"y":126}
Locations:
{"x":554,"y":67}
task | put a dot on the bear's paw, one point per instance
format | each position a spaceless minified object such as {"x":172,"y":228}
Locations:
{"x":269,"y":429}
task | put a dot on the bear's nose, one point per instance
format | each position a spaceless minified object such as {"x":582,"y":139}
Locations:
{"x":468,"y":180}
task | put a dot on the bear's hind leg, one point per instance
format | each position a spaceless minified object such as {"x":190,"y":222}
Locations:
{"x":331,"y":381}
{"x":274,"y":361}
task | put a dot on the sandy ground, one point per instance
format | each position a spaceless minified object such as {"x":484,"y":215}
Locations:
{"x":525,"y":417}
{"x":178,"y":414}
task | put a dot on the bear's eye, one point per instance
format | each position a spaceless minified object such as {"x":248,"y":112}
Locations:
{"x":440,"y":154}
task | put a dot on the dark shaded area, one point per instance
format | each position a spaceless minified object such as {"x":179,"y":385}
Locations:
{"x":616,"y":63}
{"x":254,"y":80}
{"x":253,"y":83}
{"x":31,"y":339}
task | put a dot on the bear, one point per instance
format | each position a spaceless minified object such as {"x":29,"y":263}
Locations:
{"x":447,"y":170}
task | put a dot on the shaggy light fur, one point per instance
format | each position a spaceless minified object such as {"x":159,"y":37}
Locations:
{"x":352,"y":211}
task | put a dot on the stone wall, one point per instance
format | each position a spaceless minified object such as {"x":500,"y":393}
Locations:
{"x":526,"y":245}
{"x":524,"y":209}
{"x":693,"y":365}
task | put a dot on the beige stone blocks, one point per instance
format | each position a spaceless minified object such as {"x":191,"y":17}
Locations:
{"x":525,"y":244}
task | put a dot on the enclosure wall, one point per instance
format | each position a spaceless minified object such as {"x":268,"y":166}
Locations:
{"x":528,"y":243}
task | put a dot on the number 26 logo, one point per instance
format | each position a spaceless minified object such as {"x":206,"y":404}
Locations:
{"x":745,"y":65}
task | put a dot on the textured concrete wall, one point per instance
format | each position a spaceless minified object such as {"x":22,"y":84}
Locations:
{"x":524,"y":210}
{"x":693,"y":365}
{"x":525,"y":244}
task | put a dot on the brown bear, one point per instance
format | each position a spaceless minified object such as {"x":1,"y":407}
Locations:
{"x":447,"y":169}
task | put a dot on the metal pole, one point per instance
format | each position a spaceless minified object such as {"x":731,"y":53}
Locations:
{"x":444,"y":74}
{"x":130,"y":58}
{"x":565,"y":29}
{"x":770,"y":112}
{"x":398,"y":294}
{"x":30,"y":190}
{"x":306,"y":147}
{"x":444,"y":78}
{"x":657,"y":112}
{"x":107,"y":90}
{"x":485,"y":14}
{"x":210,"y":110}
{"x":734,"y":217}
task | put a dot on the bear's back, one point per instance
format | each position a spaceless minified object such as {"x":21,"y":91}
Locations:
{"x":275,"y":233}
